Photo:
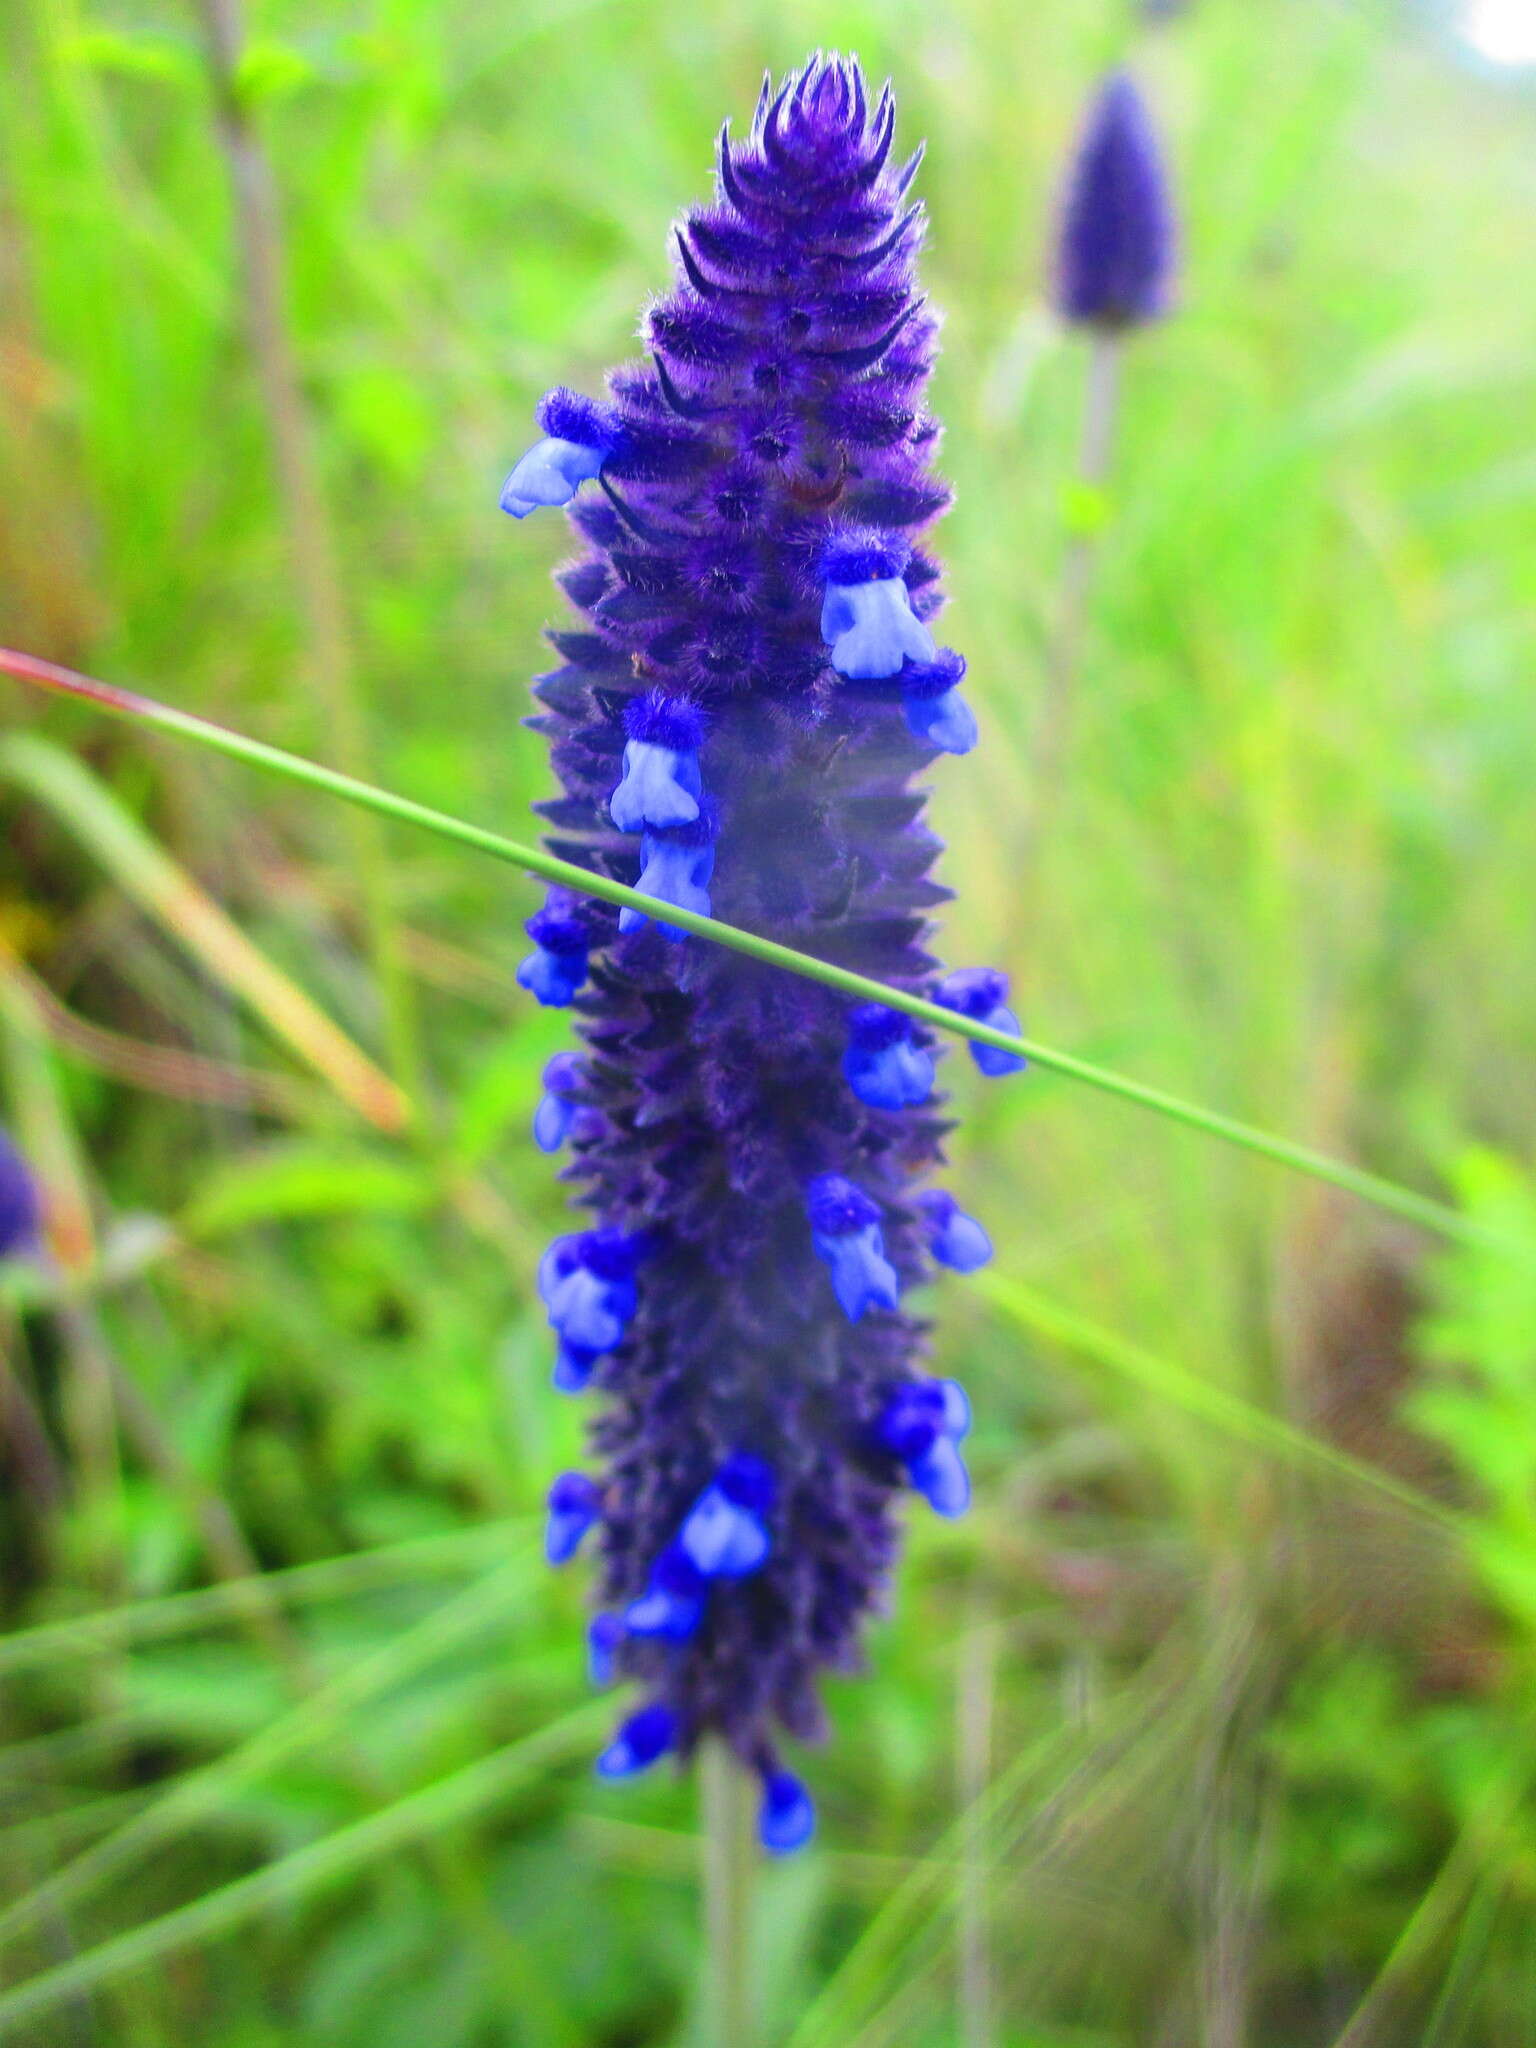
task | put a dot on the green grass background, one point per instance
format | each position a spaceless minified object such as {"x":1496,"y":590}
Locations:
{"x":1200,"y":1733}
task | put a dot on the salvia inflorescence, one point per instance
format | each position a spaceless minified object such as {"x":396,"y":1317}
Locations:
{"x":1115,"y":253}
{"x":736,"y":724}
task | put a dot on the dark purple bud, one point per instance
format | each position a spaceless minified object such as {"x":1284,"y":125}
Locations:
{"x":556,"y":1113}
{"x":1115,"y":251}
{"x":605,"y":1632}
{"x":20,"y":1208}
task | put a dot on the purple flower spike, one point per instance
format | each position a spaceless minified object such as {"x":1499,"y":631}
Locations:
{"x":20,"y":1209}
{"x":846,"y":1235}
{"x":725,"y":1535}
{"x":955,"y":1239}
{"x":981,"y":992}
{"x":556,"y":1113}
{"x":557,"y":967}
{"x":574,"y":1505}
{"x":672,"y":1605}
{"x":884,"y":1065}
{"x":768,"y":468}
{"x":579,"y":437}
{"x":786,"y":1819}
{"x":639,"y":1741}
{"x":1115,"y":253}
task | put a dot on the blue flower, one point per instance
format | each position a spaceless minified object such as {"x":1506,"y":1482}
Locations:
{"x":573,"y":1368}
{"x":786,"y":1819}
{"x":557,"y":967}
{"x":922,"y":1425}
{"x":725,"y":1534}
{"x":845,"y":1233}
{"x":660,"y":787}
{"x":672,"y":1605}
{"x":575,"y":1503}
{"x":871,"y":629}
{"x":556,"y":1113}
{"x":639,"y":1741}
{"x":675,"y":865}
{"x":605,"y":1632}
{"x":587,"y":1284}
{"x":884,"y":1066}
{"x":955,"y":1239}
{"x":946,"y":722}
{"x":579,"y":437}
{"x":939,"y":1475}
{"x":980,"y":993}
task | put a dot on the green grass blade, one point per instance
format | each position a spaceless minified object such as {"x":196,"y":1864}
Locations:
{"x":140,"y":1621}
{"x":1398,"y":1201}
{"x":459,"y":1797}
{"x":199,"y":1794}
{"x":1174,"y":1384}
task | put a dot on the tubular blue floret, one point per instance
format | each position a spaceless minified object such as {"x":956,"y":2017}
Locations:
{"x":922,"y":1424}
{"x":575,"y":1502}
{"x":866,"y":612}
{"x":672,"y":1605}
{"x":786,"y":1820}
{"x":846,"y":1236}
{"x":661,"y":784}
{"x":871,"y":628}
{"x":939,"y":1475}
{"x":639,"y":1741}
{"x":955,"y":1239}
{"x":884,"y":1065}
{"x":556,"y":1113}
{"x":675,"y":864}
{"x":557,"y":967}
{"x":725,"y":1534}
{"x":579,"y":436}
{"x":574,"y":1367}
{"x":981,"y":993}
{"x":587,"y":1284}
{"x":1115,"y":253}
{"x":946,"y":722}
{"x":660,"y":787}
{"x":937,"y":714}
{"x":20,"y":1208}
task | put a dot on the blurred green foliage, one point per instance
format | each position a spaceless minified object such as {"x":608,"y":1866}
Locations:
{"x":1260,"y":1733}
